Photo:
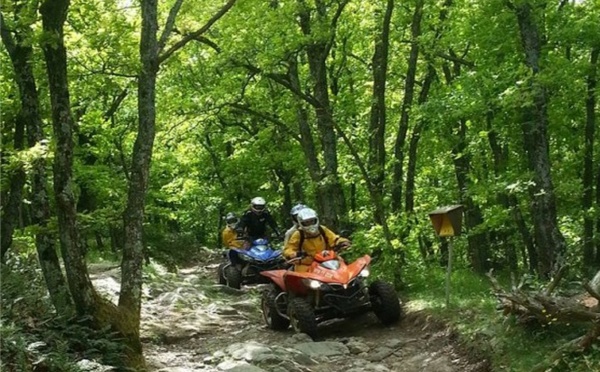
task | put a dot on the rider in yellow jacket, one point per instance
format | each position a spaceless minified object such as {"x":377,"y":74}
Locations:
{"x":317,"y":238}
{"x":232,"y":234}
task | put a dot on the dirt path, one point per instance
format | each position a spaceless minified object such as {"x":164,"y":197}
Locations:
{"x":191,"y":324}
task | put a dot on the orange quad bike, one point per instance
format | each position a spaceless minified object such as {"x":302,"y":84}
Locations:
{"x":329,"y":289}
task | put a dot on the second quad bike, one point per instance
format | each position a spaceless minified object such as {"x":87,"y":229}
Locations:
{"x":329,"y":289}
{"x":245,"y":265}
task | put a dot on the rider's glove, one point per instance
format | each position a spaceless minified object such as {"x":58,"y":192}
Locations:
{"x":345,"y":245}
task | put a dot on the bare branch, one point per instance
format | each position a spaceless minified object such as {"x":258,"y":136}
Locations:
{"x":281,"y":80}
{"x":555,"y":280}
{"x":192,"y":36}
{"x":7,"y":38}
{"x":115,"y":104}
{"x":210,"y":43}
{"x":169,"y":25}
{"x":354,"y":153}
{"x":334,"y":20}
{"x":455,"y":59}
{"x":261,"y":115}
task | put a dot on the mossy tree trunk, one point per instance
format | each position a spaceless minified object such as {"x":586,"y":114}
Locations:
{"x":87,"y":301}
{"x":20,"y":53}
{"x":133,"y":217}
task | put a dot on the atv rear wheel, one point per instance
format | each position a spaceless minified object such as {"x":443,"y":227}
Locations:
{"x":385,"y":302}
{"x":233,"y":276}
{"x":221,"y":275}
{"x":302,"y":317}
{"x":269,"y":310}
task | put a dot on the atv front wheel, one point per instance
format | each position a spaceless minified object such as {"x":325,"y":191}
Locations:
{"x":233,"y":276}
{"x":269,"y":310}
{"x":385,"y":302}
{"x":221,"y":275}
{"x":302,"y":317}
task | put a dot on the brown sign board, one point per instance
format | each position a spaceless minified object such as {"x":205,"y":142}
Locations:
{"x":447,"y":221}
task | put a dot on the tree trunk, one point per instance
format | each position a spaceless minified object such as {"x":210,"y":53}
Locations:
{"x":477,"y":242}
{"x":500,"y":156}
{"x":87,"y":301}
{"x":10,"y":207}
{"x":317,"y":51}
{"x":589,"y":245}
{"x":21,"y":57}
{"x":598,"y":218}
{"x":378,"y":109}
{"x":54,"y":14}
{"x":409,"y":88}
{"x":550,"y":241}
{"x":10,"y":210}
{"x":306,"y":138}
{"x":133,"y":217}
{"x":414,"y":143}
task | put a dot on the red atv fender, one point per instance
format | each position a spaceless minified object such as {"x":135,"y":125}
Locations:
{"x":276,"y":276}
{"x":292,"y":281}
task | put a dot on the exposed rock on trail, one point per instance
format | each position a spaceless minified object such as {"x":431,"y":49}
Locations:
{"x":189,"y":323}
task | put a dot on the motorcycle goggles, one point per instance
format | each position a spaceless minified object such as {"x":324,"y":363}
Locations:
{"x":231,"y":221}
{"x":258,"y":207}
{"x":309,"y":222}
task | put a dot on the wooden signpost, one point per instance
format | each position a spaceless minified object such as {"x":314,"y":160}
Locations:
{"x":447,"y":222}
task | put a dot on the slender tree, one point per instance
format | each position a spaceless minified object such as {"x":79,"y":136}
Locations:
{"x":549,"y":240}
{"x":589,"y":245}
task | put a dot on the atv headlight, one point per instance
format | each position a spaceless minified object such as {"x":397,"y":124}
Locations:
{"x":365,"y":272}
{"x":311,"y":283}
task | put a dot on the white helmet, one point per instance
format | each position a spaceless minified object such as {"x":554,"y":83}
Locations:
{"x":294,"y":212}
{"x":308,"y":221}
{"x":258,"y":204}
{"x":231,"y":220}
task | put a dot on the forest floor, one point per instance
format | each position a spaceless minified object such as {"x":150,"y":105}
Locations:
{"x":189,"y":323}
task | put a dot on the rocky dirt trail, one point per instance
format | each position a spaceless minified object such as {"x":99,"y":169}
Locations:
{"x":189,"y":323}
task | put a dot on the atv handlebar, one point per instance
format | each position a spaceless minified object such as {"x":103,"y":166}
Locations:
{"x":299,"y":257}
{"x":341,"y":246}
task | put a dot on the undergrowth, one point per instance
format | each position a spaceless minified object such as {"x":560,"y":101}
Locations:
{"x":35,"y":338}
{"x":473,"y":314}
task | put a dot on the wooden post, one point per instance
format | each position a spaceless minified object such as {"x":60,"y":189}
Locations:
{"x":449,"y":272}
{"x":447,"y":222}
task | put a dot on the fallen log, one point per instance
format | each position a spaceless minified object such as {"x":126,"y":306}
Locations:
{"x":544,"y":308}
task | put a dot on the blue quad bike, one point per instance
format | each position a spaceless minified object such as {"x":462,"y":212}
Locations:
{"x":244,"y":266}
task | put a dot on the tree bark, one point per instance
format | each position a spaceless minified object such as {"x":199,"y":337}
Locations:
{"x":133,"y":217}
{"x":589,"y":245}
{"x":409,"y":88}
{"x":317,"y":50}
{"x":411,"y":170}
{"x":377,"y":122}
{"x":30,"y":119}
{"x":509,"y":202}
{"x":87,"y":302}
{"x":10,"y":209}
{"x":54,"y":14}
{"x":477,"y":242}
{"x":12,"y":200}
{"x":550,"y":241}
{"x":306,"y":138}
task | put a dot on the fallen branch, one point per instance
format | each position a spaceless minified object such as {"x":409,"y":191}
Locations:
{"x":545,"y":308}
